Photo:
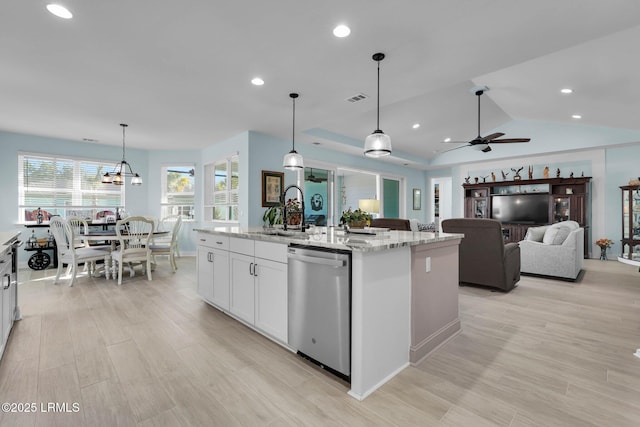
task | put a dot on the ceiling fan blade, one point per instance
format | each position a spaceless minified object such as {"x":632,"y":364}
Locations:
{"x":510,"y":140}
{"x":455,"y":148}
{"x":493,"y":136}
{"x":486,"y":149}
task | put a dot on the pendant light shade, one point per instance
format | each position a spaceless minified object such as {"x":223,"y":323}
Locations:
{"x":122,"y":169}
{"x":293,"y":160}
{"x":377,"y":144}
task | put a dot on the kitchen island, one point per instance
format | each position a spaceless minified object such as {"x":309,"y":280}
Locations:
{"x":404,"y":290}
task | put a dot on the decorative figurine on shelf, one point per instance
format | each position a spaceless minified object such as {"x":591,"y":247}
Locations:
{"x":467,"y":179}
{"x":484,"y":178}
{"x":475,"y":179}
{"x":545,"y":172}
{"x":530,"y":172}
{"x":558,"y":173}
{"x":504,"y":175}
{"x":517,"y":176}
{"x":571,"y":175}
{"x":39,"y":216}
{"x":493,"y":177}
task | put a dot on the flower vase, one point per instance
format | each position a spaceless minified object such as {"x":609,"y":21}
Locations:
{"x":603,"y":253}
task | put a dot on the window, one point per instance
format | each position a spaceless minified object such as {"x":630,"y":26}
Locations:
{"x":221,"y":190}
{"x":178,"y":191}
{"x":65,"y":187}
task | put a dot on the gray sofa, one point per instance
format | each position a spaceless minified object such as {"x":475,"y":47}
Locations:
{"x":484,"y":258}
{"x":555,"y":250}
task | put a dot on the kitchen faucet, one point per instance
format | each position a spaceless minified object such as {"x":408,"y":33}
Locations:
{"x":284,"y":205}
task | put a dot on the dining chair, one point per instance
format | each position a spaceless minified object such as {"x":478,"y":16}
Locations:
{"x":134,"y":234}
{"x":68,"y":254}
{"x":80,"y":227}
{"x":169,"y":247}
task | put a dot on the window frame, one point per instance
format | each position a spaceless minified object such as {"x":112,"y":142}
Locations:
{"x":164,"y":194}
{"x":76,"y":192}
{"x":230,"y":194}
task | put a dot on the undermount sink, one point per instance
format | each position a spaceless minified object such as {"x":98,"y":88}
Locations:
{"x":296,"y":234}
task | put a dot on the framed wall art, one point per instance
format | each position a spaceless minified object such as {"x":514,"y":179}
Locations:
{"x":272,"y":185}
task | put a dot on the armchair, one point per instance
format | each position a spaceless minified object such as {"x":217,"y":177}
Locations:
{"x":553,"y":250}
{"x":484,"y":258}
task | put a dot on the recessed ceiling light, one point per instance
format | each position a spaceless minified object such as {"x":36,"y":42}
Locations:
{"x":416,"y":125}
{"x":566,"y":90}
{"x":59,"y":11}
{"x":257,"y":81}
{"x":576,"y":116}
{"x":341,"y":31}
{"x":447,"y":139}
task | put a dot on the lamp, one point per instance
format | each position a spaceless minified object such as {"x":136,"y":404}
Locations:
{"x":120,"y":170}
{"x":377,"y":144}
{"x":293,"y":160}
{"x":369,"y":205}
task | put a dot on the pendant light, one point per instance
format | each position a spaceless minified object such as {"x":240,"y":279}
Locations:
{"x":293,"y":160}
{"x":122,"y":169}
{"x":377,"y":144}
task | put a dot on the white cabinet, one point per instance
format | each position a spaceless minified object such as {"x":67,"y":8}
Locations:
{"x":259,"y":285}
{"x":212,"y":264}
{"x":271,"y":298}
{"x":7,"y":300}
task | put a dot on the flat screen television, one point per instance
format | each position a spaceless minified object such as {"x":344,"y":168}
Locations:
{"x":521,"y":208}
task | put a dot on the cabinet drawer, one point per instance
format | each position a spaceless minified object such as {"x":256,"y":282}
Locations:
{"x":213,"y":241}
{"x":272,"y":251}
{"x":241,"y":246}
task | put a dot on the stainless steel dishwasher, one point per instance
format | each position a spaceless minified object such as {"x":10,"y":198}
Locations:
{"x":320,"y":306}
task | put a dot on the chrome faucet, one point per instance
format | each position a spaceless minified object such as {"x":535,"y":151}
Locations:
{"x":284,"y":205}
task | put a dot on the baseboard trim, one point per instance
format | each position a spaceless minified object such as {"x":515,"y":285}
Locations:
{"x":418,"y":352}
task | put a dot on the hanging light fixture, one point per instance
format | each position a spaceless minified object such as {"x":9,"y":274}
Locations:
{"x":293,"y":160}
{"x":377,"y":144}
{"x":122,"y":169}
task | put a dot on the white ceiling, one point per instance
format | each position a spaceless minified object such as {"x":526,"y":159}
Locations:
{"x":179,"y":72}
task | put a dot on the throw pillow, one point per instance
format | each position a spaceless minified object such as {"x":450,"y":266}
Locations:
{"x":556,"y":235}
{"x":535,"y":234}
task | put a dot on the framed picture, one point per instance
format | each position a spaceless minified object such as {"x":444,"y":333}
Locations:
{"x":272,"y":185}
{"x":417,"y":199}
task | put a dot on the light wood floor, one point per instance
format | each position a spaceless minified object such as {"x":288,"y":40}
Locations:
{"x":549,"y":353}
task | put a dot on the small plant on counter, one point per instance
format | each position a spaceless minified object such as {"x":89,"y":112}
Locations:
{"x":272,"y":215}
{"x":357,"y":218}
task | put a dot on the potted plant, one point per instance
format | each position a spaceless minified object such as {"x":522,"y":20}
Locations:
{"x":272,"y":215}
{"x":355,"y":219}
{"x":294,"y":212}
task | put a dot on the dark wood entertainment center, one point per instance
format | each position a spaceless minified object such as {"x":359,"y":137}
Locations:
{"x":568,"y":200}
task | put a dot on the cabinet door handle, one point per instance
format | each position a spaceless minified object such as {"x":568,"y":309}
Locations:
{"x":8,"y":276}
{"x":255,"y":270}
{"x":218,"y":243}
{"x":210,"y":256}
{"x":203,"y":240}
{"x":250,"y":269}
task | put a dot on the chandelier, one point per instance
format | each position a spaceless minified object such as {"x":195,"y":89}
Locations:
{"x":122,"y":169}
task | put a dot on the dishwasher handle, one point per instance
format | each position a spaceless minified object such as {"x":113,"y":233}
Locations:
{"x":318,"y":260}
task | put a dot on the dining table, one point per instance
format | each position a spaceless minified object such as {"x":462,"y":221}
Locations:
{"x":110,"y":237}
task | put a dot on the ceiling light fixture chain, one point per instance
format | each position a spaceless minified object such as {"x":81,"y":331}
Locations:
{"x":377,"y":144}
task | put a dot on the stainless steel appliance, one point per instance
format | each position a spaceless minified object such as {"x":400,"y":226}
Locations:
{"x":320,"y":306}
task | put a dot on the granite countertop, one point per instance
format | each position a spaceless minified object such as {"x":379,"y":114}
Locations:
{"x":6,"y":237}
{"x":336,"y":238}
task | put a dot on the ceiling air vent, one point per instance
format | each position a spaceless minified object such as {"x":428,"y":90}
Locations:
{"x":357,"y":97}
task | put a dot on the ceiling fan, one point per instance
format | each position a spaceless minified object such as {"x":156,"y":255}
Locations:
{"x":481,"y":143}
{"x":312,"y":178}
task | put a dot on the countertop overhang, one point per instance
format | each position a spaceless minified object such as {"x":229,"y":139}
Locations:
{"x":336,"y":238}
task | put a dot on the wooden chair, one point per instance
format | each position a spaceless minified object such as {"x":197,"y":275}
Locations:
{"x":68,"y":254}
{"x":169,"y":247}
{"x":134,"y":234}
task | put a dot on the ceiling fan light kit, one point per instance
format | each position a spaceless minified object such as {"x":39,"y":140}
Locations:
{"x":378,"y":144}
{"x":293,"y":160}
